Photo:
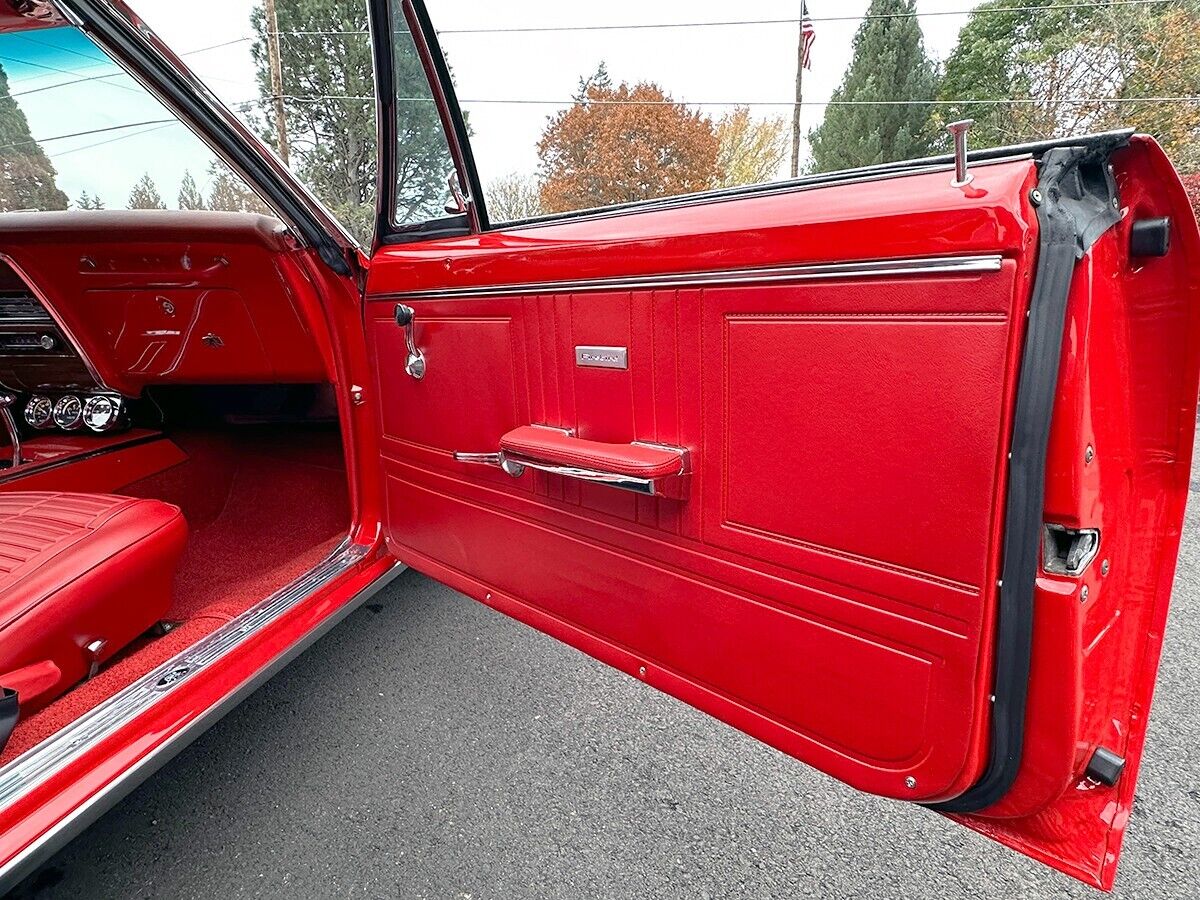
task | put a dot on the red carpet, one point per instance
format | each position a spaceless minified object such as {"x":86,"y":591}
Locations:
{"x":264,"y":505}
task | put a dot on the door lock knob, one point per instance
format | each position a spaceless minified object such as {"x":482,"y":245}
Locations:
{"x":406,"y":319}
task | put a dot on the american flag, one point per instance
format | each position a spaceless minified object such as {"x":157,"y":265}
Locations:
{"x":808,"y":34}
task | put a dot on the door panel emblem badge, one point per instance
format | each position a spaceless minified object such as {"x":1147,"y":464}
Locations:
{"x":602,"y":357}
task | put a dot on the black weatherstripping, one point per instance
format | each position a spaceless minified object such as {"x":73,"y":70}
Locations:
{"x":1077,"y":203}
{"x":197,"y":106}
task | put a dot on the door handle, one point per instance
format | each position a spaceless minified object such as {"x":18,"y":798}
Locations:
{"x":654,"y":470}
{"x":415,"y":364}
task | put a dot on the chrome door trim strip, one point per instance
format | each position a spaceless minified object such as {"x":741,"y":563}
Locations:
{"x":929,"y":265}
{"x":44,"y":760}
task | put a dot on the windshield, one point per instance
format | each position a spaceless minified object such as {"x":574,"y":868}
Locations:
{"x":77,"y":132}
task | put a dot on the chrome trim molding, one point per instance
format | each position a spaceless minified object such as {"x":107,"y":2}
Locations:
{"x":39,"y":763}
{"x":931,"y":265}
{"x":32,"y":466}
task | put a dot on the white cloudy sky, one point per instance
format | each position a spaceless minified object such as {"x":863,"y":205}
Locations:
{"x":717,"y":66}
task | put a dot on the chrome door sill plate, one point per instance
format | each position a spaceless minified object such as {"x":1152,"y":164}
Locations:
{"x":38,"y":763}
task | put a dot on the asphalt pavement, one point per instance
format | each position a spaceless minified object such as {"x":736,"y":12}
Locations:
{"x":432,"y":748}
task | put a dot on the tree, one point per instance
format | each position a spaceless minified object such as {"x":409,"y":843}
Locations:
{"x":889,"y":64}
{"x":145,"y":195}
{"x":1038,"y":72}
{"x":1165,"y":64}
{"x":89,"y":201}
{"x":27,"y":178}
{"x":513,"y":197}
{"x":617,"y":145}
{"x":750,"y":151}
{"x":228,"y":193}
{"x":328,"y":84}
{"x":189,"y":195}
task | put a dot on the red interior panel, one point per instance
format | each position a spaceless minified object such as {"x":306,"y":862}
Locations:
{"x":172,"y":297}
{"x":828,"y":582}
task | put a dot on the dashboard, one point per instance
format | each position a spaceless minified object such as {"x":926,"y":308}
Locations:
{"x":142,"y":297}
{"x":97,"y":305}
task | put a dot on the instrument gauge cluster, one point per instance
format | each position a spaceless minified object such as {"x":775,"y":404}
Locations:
{"x":68,"y":412}
{"x":97,"y":413}
{"x":39,"y":412}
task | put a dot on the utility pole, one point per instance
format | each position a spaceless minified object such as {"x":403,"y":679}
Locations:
{"x":277,"y":78}
{"x":796,"y":108}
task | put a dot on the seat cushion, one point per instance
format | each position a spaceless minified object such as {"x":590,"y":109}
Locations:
{"x":76,"y":569}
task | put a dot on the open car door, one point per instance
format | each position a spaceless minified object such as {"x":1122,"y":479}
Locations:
{"x":885,"y":468}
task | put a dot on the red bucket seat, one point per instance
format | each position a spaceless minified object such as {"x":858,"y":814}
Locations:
{"x":81,"y":576}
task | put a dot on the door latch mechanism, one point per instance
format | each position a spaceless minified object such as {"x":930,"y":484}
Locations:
{"x":415,"y":364}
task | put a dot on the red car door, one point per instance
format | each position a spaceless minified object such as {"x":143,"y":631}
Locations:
{"x":884,"y":469}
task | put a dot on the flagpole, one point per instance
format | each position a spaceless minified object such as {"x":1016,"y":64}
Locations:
{"x":796,"y":107}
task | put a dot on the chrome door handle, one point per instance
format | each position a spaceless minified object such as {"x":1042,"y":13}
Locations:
{"x":415,"y":364}
{"x":663,"y":472}
{"x":516,"y":470}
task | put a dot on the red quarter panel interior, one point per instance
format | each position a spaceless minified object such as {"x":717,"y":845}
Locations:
{"x":828,"y":582}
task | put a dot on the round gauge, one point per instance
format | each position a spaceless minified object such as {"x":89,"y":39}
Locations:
{"x":102,"y":413}
{"x":39,"y":412}
{"x":68,"y":412}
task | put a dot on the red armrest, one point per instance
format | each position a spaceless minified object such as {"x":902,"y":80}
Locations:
{"x":553,"y":446}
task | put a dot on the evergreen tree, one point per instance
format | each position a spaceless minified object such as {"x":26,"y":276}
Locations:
{"x":325,"y":59}
{"x":27,"y":178}
{"x":89,"y":201}
{"x":229,"y":193}
{"x":889,"y":64}
{"x":145,"y":195}
{"x":189,"y":195}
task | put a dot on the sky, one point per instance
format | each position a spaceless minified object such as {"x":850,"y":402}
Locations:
{"x":716,"y":67}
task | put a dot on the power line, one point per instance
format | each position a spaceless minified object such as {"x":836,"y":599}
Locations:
{"x":75,"y":134}
{"x":635,"y":26}
{"x":791,"y":103}
{"x":113,"y":140}
{"x":316,"y":98}
{"x":559,"y":28}
{"x":107,"y":129}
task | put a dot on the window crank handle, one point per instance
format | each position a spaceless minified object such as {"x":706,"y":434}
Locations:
{"x":415,"y":364}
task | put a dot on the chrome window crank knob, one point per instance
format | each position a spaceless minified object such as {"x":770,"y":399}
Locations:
{"x":415,"y":364}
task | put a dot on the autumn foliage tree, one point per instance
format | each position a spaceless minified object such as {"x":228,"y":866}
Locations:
{"x":1048,"y":68}
{"x":1165,"y":64}
{"x":750,"y":151}
{"x":622,"y":144}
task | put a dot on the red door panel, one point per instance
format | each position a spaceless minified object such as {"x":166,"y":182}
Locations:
{"x":828,"y":579}
{"x":837,"y":548}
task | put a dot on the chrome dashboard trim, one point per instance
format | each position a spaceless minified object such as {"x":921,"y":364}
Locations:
{"x":931,"y":265}
{"x":44,"y":760}
{"x":31,"y":467}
